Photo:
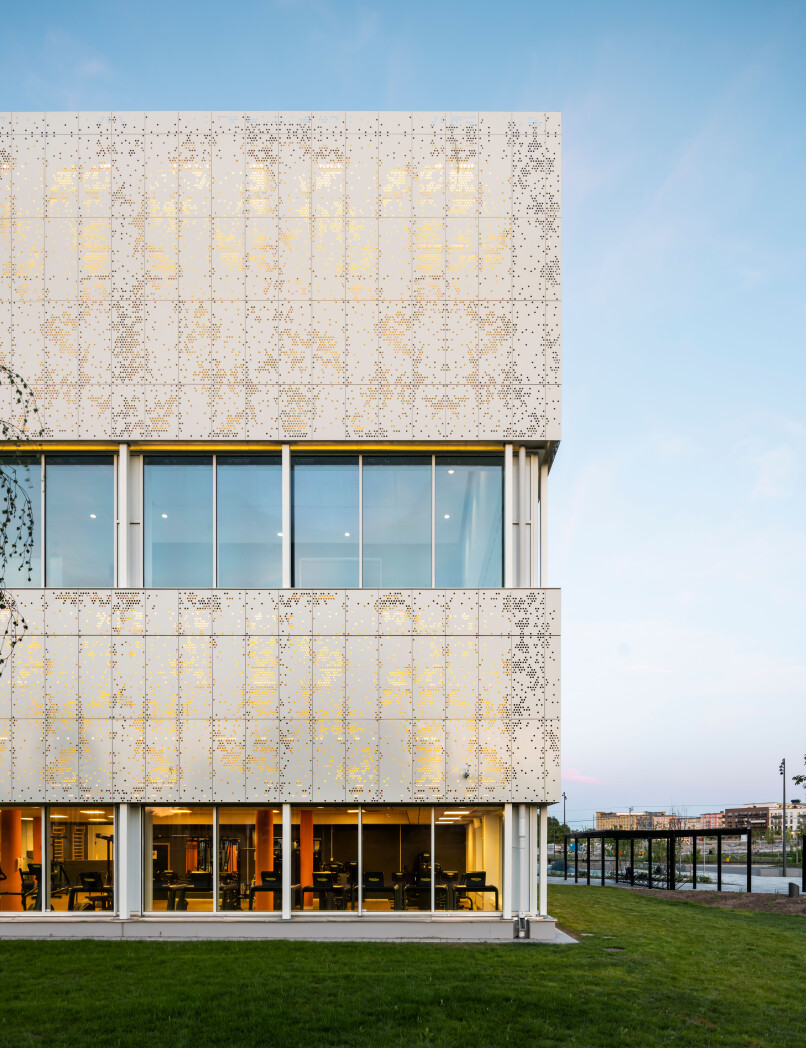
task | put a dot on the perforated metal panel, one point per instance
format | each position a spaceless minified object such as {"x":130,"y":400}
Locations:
{"x":139,"y":698}
{"x":265,"y":275}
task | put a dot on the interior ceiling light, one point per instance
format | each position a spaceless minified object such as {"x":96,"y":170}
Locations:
{"x":164,"y":516}
{"x":347,"y":534}
{"x":451,"y":472}
{"x":58,"y":816}
{"x":279,"y":534}
{"x":447,"y":516}
{"x":92,"y":811}
{"x":92,"y":516}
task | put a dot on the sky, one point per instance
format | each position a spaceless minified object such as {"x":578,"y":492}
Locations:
{"x":677,"y":505}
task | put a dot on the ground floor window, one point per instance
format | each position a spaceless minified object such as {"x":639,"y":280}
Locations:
{"x":81,"y":853}
{"x":20,"y":859}
{"x":369,"y":859}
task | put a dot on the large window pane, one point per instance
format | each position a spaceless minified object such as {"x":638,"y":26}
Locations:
{"x":20,"y":859}
{"x":250,"y":858}
{"x":178,"y":520}
{"x":250,"y":520}
{"x":79,"y":520}
{"x":178,"y":858}
{"x":396,"y":854}
{"x":324,"y":856}
{"x":468,"y":857}
{"x":21,"y":496}
{"x":324,"y":510}
{"x":82,"y":858}
{"x":397,"y":521}
{"x":469,"y":512}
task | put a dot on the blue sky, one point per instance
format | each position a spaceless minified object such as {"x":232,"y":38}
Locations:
{"x":677,"y":500}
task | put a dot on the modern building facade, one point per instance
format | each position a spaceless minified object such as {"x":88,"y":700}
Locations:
{"x":292,"y":663}
{"x":627,"y":820}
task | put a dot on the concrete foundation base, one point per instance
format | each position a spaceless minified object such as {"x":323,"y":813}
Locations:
{"x":339,"y":929}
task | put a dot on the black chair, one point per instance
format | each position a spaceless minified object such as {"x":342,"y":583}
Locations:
{"x":271,"y":881}
{"x":473,"y":882}
{"x":374,"y":886}
{"x":31,"y":886}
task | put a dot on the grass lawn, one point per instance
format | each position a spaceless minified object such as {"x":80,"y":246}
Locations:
{"x":648,"y":973}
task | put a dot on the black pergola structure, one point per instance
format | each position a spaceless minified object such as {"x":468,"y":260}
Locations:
{"x":668,"y":837}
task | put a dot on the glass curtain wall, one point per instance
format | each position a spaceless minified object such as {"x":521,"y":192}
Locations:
{"x":396,"y":858}
{"x":324,"y":857}
{"x":79,"y":520}
{"x":250,"y":858}
{"x":179,"y":858}
{"x":81,"y":844}
{"x":21,"y":496}
{"x":178,"y":518}
{"x":468,"y":852}
{"x":468,"y":518}
{"x":20,"y":859}
{"x":396,"y":515}
{"x":249,"y":520}
{"x":324,"y":513}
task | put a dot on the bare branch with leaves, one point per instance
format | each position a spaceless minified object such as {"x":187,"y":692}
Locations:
{"x":17,"y":517}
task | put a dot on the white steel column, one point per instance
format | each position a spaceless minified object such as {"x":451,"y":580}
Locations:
{"x":533,"y":854}
{"x":523,"y":517}
{"x":507,"y":901}
{"x":544,"y":521}
{"x":543,"y":906}
{"x":123,"y":516}
{"x":286,"y":861}
{"x":523,"y":846}
{"x":121,"y":855}
{"x":508,"y":566}
{"x":286,"y":518}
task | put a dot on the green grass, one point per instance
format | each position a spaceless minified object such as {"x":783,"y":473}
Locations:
{"x":678,"y":974}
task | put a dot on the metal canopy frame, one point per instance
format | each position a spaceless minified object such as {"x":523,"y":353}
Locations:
{"x":670,"y":836}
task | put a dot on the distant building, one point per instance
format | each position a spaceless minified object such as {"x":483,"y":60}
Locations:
{"x":756,"y":816}
{"x":626,"y":820}
{"x":795,"y":818}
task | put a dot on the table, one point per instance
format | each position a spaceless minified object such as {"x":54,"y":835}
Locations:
{"x":458,"y":891}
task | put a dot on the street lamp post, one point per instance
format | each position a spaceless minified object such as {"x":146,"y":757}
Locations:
{"x":782,"y":770}
{"x":565,"y":798}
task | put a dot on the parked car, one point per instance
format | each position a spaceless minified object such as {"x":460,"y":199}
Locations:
{"x":561,"y":866}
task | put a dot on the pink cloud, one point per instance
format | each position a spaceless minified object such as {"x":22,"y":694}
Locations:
{"x":572,"y":775}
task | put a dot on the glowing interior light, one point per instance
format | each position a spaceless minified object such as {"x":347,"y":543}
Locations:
{"x":164,"y":516}
{"x":92,"y":516}
{"x":347,"y":534}
{"x":447,"y":516}
{"x":279,"y":534}
{"x":451,"y":472}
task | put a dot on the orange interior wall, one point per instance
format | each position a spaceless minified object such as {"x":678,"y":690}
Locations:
{"x":306,"y":854}
{"x":10,"y":851}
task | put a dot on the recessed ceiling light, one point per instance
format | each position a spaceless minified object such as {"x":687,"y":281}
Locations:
{"x":58,"y":816}
{"x":451,"y":471}
{"x":27,"y":818}
{"x":447,"y":516}
{"x":92,"y":516}
{"x":347,"y":534}
{"x":164,"y":516}
{"x":92,"y":811}
{"x":279,"y":534}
